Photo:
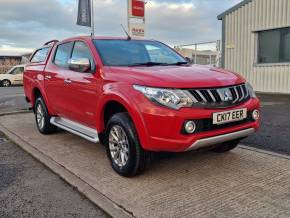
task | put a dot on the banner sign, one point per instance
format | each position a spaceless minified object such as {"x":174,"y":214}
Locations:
{"x":84,"y":13}
{"x":137,"y":30}
{"x":136,"y":8}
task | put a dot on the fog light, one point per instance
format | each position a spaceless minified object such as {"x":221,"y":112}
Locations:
{"x":190,"y":127}
{"x":256,"y":115}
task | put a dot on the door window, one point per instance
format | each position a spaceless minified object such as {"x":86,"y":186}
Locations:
{"x":81,"y":50}
{"x":62,"y":54}
{"x":17,"y":70}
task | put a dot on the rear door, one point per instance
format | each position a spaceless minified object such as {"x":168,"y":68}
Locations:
{"x":55,"y":75}
{"x":82,"y":95}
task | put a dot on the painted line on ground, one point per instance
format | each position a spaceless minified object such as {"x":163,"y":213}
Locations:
{"x":246,"y":147}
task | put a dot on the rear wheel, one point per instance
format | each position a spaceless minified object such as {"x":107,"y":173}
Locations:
{"x":6,"y":83}
{"x":127,"y":156}
{"x":43,"y":118}
{"x":227,"y":146}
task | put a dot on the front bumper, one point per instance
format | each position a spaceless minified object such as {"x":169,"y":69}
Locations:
{"x":206,"y":142}
{"x":164,"y":127}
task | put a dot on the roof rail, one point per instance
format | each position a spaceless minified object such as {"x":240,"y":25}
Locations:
{"x":51,"y":42}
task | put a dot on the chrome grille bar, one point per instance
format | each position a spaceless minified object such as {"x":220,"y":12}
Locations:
{"x":220,"y":97}
{"x":201,"y":95}
{"x":211,"y":95}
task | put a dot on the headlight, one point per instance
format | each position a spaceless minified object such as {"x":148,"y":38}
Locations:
{"x":172,"y":98}
{"x":251,"y":90}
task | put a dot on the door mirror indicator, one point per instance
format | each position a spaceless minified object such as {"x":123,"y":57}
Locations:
{"x":79,"y":64}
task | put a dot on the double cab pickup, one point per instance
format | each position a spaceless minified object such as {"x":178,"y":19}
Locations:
{"x":137,"y":97}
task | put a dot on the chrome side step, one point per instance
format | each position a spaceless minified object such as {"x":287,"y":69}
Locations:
{"x":76,"y":128}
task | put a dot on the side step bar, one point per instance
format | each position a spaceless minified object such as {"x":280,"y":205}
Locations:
{"x":76,"y":128}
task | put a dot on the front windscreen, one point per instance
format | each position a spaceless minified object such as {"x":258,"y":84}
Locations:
{"x":136,"y":52}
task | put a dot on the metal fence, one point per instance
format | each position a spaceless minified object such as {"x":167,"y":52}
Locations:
{"x":203,"y":53}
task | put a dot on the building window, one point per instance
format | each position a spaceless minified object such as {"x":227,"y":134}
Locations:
{"x":274,"y":46}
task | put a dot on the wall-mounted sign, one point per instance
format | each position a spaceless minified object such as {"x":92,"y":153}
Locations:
{"x":136,"y":8}
{"x":230,"y":46}
{"x":137,"y":30}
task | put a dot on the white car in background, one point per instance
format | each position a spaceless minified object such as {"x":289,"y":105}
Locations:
{"x":14,"y":76}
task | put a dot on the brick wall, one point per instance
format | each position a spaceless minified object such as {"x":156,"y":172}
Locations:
{"x":7,"y":62}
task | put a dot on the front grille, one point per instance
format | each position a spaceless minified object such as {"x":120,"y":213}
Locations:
{"x":220,"y":97}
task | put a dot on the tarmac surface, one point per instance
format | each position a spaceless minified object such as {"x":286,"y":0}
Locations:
{"x":12,"y":99}
{"x":241,"y":183}
{"x":274,"y":134}
{"x":29,"y":189}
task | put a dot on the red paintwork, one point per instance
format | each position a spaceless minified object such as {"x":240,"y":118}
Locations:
{"x":158,"y":128}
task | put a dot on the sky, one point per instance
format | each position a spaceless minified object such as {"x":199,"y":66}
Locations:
{"x":28,"y":24}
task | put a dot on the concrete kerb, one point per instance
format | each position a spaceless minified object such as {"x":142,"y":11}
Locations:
{"x":100,"y":200}
{"x":15,"y":112}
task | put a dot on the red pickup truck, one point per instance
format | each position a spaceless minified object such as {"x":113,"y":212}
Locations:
{"x":137,"y":97}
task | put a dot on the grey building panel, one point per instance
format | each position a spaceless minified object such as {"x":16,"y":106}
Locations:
{"x":240,"y":31}
{"x":241,"y":4}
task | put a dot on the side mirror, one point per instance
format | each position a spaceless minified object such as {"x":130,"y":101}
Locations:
{"x":189,"y":60}
{"x":79,"y":64}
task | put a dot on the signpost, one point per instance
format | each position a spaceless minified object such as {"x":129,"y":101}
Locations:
{"x":136,"y":18}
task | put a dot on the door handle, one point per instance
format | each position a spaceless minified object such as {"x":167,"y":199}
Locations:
{"x":47,"y":77}
{"x":67,"y":81}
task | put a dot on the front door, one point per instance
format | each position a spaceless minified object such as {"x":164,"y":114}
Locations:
{"x":17,"y":78}
{"x":82,"y":88}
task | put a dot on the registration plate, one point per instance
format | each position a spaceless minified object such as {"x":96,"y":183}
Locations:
{"x":229,"y":116}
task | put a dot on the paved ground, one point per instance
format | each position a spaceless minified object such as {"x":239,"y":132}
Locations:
{"x":242,"y":183}
{"x":12,"y":99}
{"x":29,"y":189}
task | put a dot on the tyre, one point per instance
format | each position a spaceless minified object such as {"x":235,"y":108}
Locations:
{"x":6,"y":83}
{"x":227,"y":146}
{"x":127,"y":156}
{"x":42,"y":117}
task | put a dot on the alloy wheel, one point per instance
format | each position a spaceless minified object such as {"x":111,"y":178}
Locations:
{"x":40,"y":116}
{"x":119,"y":145}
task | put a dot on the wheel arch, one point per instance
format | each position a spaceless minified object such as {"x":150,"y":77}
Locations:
{"x":37,"y":92}
{"x":114,"y":104}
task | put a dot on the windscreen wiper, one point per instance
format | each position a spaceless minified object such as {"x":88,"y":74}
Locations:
{"x":180,"y":63}
{"x":148,"y":64}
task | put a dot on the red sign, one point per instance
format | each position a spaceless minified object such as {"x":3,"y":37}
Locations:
{"x":138,"y":8}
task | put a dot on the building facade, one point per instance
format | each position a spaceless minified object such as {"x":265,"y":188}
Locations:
{"x":8,"y":61}
{"x":256,"y":43}
{"x":199,"y":57}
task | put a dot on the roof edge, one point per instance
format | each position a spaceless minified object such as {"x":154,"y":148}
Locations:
{"x":237,"y":6}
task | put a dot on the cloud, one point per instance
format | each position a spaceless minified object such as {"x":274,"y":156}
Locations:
{"x":30,"y":23}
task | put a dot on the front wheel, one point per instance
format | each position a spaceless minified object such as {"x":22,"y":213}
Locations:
{"x":127,"y":156}
{"x":6,"y":83}
{"x":226,"y":146}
